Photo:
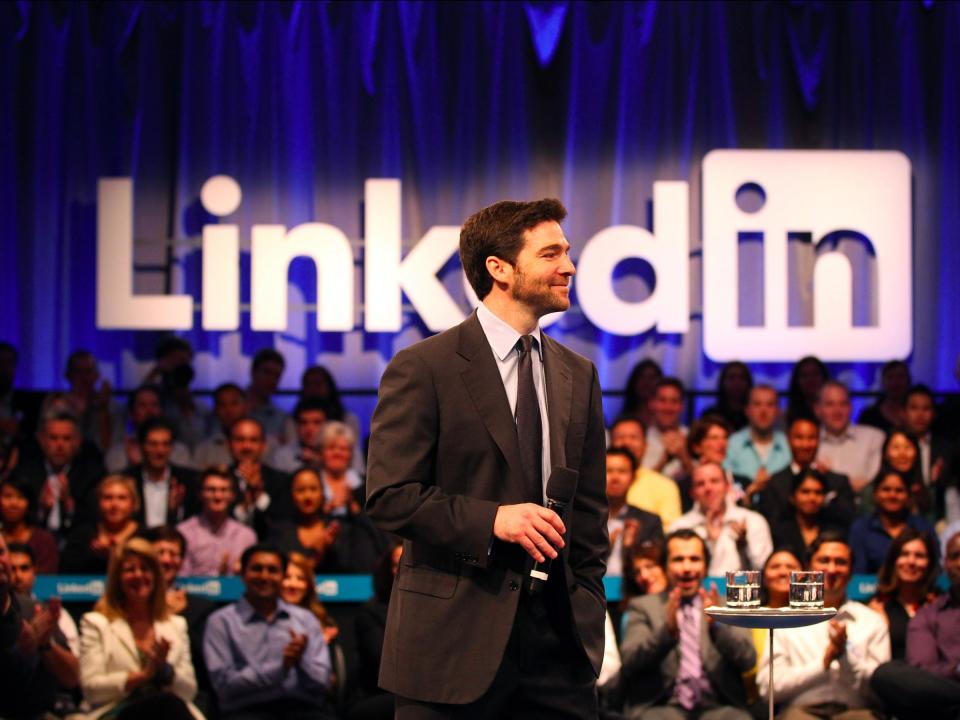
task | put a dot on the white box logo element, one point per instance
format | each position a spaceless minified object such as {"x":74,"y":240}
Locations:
{"x":820,"y":193}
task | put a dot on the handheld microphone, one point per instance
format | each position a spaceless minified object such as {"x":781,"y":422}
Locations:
{"x":560,"y":489}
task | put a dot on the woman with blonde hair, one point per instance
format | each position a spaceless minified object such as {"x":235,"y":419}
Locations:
{"x":299,"y":587}
{"x":89,"y":546}
{"x":134,"y":654}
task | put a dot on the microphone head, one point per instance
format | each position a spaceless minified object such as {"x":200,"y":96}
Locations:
{"x":562,"y":484}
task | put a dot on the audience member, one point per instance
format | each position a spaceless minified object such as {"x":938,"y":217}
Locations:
{"x":759,"y":450}
{"x":643,"y":572}
{"x":341,"y":485}
{"x":738,"y":539}
{"x":803,"y":436}
{"x":264,"y":492}
{"x":823,"y":671}
{"x":673,"y":666}
{"x":733,"y":390}
{"x":807,"y":499}
{"x":846,"y":448}
{"x":370,"y":624}
{"x":928,"y":684}
{"x":265,"y":373}
{"x":173,"y":373}
{"x":100,"y":417}
{"x":906,"y":581}
{"x":775,"y":581}
{"x":135,"y":656}
{"x":214,"y":541}
{"x":627,"y":525}
{"x":650,"y":490}
{"x":666,"y":436}
{"x":252,"y":646}
{"x":886,"y":413}
{"x":17,"y":511}
{"x":170,"y":546}
{"x":90,"y":545}
{"x":19,"y":409}
{"x":143,"y":404}
{"x":309,"y":416}
{"x":311,"y":533}
{"x":317,"y":382}
{"x":639,"y":390}
{"x":229,"y":405}
{"x":169,"y":492}
{"x":901,"y":452}
{"x":870,"y":536}
{"x":707,"y":441}
{"x":808,"y":376}
{"x":935,"y":450}
{"x":63,"y":478}
{"x":299,"y":587}
{"x":23,"y":574}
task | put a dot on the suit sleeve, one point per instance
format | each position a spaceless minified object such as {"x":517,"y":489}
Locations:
{"x":402,"y":492}
{"x":184,"y":678}
{"x":99,"y":686}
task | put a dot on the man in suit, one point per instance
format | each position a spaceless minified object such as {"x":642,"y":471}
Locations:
{"x":468,"y":428}
{"x":264,"y":491}
{"x":773,"y":502}
{"x":168,"y":492}
{"x":677,"y":662}
{"x":627,"y":526}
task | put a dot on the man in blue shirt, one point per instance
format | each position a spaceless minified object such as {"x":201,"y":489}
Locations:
{"x":267,"y":660}
{"x":759,"y":450}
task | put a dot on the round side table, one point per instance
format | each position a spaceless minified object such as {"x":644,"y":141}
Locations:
{"x":771,"y":619}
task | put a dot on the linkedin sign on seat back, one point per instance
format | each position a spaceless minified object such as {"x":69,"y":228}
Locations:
{"x":818,"y":198}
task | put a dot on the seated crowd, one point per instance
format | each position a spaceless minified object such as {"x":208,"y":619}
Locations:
{"x":165,"y":488}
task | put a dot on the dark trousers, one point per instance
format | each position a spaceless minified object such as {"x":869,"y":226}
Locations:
{"x":280,"y":710}
{"x":544,"y":674}
{"x":909,"y":692}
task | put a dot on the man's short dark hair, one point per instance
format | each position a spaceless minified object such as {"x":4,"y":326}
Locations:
{"x":266,"y":548}
{"x":828,"y":536}
{"x":630,"y":419}
{"x":132,"y":398}
{"x":10,"y":349}
{"x":226,"y":387}
{"x":684,"y":534}
{"x":311,"y":404}
{"x":171,"y":345}
{"x":498,"y":230}
{"x":59,"y":416}
{"x":156,"y":423}
{"x":249,"y":419}
{"x":267,"y":355}
{"x":670,"y":382}
{"x":624,"y":453}
{"x":804,"y":417}
{"x":76,"y":355}
{"x":164,"y":533}
{"x":217,"y":471}
{"x":22,"y":549}
{"x":920,"y":389}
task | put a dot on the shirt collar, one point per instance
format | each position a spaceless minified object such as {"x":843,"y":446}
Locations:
{"x":502,"y":337}
{"x":248,"y":614}
{"x":842,"y":436}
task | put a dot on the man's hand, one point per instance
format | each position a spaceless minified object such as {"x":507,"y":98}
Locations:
{"x":177,"y":494}
{"x":709,"y":599}
{"x":536,"y":529}
{"x":294,"y":650}
{"x":838,"y":643}
{"x":673,"y":605}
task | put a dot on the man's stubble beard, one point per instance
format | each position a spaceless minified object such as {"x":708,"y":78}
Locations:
{"x":541,"y":299}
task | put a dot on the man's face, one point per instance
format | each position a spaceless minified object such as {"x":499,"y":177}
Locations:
{"x":686,"y":565}
{"x":171,"y":558}
{"x":266,"y":377}
{"x":5,"y":571}
{"x":804,"y":442}
{"x":309,"y":425}
{"x":315,"y":384}
{"x":542,"y":272}
{"x":246,"y":441}
{"x":896,"y":381}
{"x":60,"y":442}
{"x":833,"y":409}
{"x":951,"y":563}
{"x":709,"y":487}
{"x":619,"y":476}
{"x":146,"y":405}
{"x":262,"y":576}
{"x":22,"y":575}
{"x":762,"y":409}
{"x":834,"y":559}
{"x":157,"y":447}
{"x":667,"y":406}
{"x":217,"y":495}
{"x":229,"y":407}
{"x":13,"y":505}
{"x":83,"y":374}
{"x":918,"y":414}
{"x":629,"y":434}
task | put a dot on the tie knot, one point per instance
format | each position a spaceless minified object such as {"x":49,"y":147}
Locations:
{"x":526,"y":343}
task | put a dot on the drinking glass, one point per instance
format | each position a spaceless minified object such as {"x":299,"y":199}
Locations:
{"x":806,"y":589}
{"x":743,"y":588}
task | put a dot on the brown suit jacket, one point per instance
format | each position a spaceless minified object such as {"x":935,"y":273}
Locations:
{"x":443,"y":457}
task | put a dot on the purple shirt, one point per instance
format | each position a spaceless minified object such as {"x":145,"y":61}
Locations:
{"x":206,"y":547}
{"x":933,"y":637}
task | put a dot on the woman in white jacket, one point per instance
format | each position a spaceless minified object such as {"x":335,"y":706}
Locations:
{"x":134,"y":653}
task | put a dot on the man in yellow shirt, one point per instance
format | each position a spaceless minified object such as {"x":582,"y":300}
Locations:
{"x":650,"y":491}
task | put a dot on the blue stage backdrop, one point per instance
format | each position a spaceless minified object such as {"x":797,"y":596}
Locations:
{"x":464,"y":103}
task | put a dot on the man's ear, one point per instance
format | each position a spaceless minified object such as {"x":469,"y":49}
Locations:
{"x":500,"y":270}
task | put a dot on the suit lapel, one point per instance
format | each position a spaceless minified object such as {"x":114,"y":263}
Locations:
{"x":559,"y":384}
{"x":124,"y":635}
{"x":485,"y":386}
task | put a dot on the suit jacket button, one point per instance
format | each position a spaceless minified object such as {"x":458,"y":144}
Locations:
{"x":514,"y":585}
